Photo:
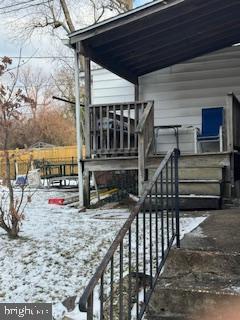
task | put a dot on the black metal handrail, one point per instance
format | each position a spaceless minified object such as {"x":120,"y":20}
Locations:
{"x":126,"y":277}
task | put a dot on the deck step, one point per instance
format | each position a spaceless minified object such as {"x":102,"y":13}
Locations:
{"x":194,"y":202}
{"x":197,"y":187}
{"x":199,"y":202}
{"x":200,"y":188}
{"x":193,"y":187}
{"x":198,"y":173}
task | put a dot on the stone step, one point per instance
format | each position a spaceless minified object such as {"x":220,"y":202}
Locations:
{"x":211,"y":173}
{"x":200,"y":303}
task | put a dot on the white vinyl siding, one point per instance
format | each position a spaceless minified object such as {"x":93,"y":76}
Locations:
{"x":109,"y":88}
{"x":179,"y":92}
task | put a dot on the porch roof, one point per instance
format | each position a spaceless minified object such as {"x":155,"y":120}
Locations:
{"x":159,"y":34}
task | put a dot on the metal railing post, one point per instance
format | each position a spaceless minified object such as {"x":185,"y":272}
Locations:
{"x":176,"y":157}
{"x":90,"y":307}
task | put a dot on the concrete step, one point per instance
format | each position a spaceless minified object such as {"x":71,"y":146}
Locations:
{"x":191,"y":303}
{"x":184,"y":262}
{"x":202,"y":270}
{"x":198,"y":173}
{"x":201,"y":280}
{"x":219,"y":232}
{"x":168,"y":317}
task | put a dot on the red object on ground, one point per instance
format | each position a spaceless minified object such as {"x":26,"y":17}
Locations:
{"x":59,"y":201}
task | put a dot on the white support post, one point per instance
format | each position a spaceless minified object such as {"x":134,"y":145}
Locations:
{"x":78,"y":129}
{"x":88,"y":101}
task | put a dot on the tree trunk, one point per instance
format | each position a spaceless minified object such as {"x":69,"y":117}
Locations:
{"x":14,"y":229}
{"x":70,"y":25}
{"x":67,"y":15}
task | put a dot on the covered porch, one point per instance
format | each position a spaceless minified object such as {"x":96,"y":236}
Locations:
{"x":137,"y":43}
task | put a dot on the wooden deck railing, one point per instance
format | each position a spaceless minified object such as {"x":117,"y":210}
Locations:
{"x":145,"y":130}
{"x":232,"y":121}
{"x":113,"y":128}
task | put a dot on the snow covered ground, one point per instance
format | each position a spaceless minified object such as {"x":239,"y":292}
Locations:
{"x":58,"y":251}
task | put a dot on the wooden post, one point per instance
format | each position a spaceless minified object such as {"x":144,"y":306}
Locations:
{"x":141,"y":164}
{"x":15,"y":169}
{"x":228,"y":137}
{"x":79,"y":137}
{"x":141,"y":150}
{"x":86,"y":187}
{"x":136,"y":92}
{"x":88,"y":101}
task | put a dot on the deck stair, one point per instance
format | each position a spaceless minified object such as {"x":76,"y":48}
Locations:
{"x":121,"y":137}
{"x":204,"y":178}
{"x":202,"y":279}
{"x":199,"y":187}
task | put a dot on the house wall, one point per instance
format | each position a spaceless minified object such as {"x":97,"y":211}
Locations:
{"x":179,"y":92}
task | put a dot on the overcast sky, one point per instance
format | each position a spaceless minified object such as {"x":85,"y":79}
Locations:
{"x":38,"y":45}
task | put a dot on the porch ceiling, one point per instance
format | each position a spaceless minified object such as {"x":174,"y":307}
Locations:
{"x":160,"y":34}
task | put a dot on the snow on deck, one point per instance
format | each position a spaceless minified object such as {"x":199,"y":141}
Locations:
{"x":58,"y":251}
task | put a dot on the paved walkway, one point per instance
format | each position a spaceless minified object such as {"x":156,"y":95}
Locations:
{"x":202,"y":279}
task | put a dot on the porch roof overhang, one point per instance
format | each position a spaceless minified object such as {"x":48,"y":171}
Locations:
{"x":159,"y":34}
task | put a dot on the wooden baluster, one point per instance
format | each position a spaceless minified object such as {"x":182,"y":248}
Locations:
{"x":135,"y":125}
{"x":91,"y":129}
{"x":101,"y":128}
{"x":115,"y":128}
{"x":93,"y":109}
{"x":129,"y":128}
{"x":142,"y":108}
{"x":108,"y":130}
{"x":121,"y":127}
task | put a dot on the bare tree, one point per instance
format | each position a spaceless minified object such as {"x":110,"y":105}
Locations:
{"x":11,"y":102}
{"x":63,"y":15}
{"x":59,"y":17}
{"x":36,"y":87}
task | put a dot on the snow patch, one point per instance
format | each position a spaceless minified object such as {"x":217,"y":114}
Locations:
{"x":58,"y":252}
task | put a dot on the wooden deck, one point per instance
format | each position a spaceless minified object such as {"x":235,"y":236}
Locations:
{"x":204,"y":179}
{"x":121,"y":137}
{"x":186,"y":160}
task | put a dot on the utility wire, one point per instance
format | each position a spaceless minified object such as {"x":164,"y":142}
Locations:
{"x":16,"y":4}
{"x":22,"y":8}
{"x":39,"y":57}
